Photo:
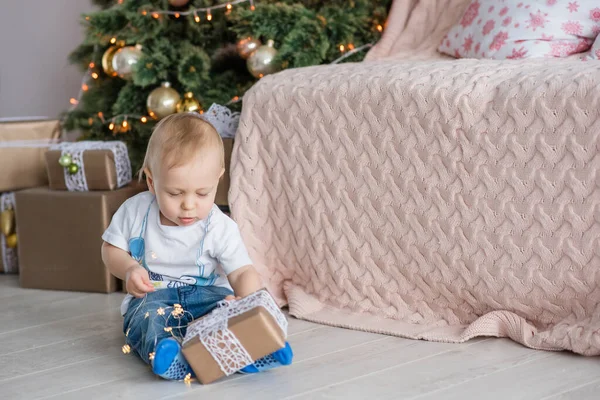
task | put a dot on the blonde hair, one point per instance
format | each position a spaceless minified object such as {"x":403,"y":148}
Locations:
{"x":179,"y":137}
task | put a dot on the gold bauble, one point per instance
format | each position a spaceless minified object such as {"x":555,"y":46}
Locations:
{"x":7,"y":222}
{"x":247,"y":46}
{"x":162,"y":101}
{"x":189,"y":104}
{"x":178,"y":3}
{"x":11,"y":241}
{"x":107,"y":59}
{"x":260,"y":63}
{"x":125,"y":59}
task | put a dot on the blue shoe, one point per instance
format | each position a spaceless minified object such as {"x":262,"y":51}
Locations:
{"x":168,"y":362}
{"x":279,"y":358}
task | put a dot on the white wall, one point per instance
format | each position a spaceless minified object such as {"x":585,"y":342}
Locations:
{"x":36,"y":37}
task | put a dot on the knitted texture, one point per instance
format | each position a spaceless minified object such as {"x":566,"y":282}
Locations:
{"x":437,"y":200}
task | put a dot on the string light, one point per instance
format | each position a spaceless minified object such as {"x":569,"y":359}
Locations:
{"x":113,"y":40}
{"x":177,"y":15}
{"x":342,"y":48}
{"x":94,"y":75}
{"x":193,"y":11}
{"x":144,"y":120}
{"x":350,"y":46}
{"x":208,"y":15}
{"x":111,"y":126}
{"x":380,"y":28}
{"x":124,"y":124}
{"x":196,"y":17}
{"x":92,"y":65}
{"x":73,"y":101}
{"x":87,"y":18}
{"x":155,"y":15}
{"x":84,"y":87}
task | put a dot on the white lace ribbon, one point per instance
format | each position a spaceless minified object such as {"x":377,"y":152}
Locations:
{"x":9,"y":256}
{"x":77,"y":182}
{"x":222,"y":344}
{"x":223,"y":119}
{"x":32,"y":144}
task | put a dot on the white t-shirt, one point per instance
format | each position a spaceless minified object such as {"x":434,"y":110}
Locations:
{"x":201,"y":254}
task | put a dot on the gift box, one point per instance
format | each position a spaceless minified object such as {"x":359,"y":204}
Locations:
{"x":60,"y":237}
{"x":22,"y":147}
{"x":9,"y":263}
{"x":234,"y":335}
{"x":223,"y":188}
{"x":88,"y":165}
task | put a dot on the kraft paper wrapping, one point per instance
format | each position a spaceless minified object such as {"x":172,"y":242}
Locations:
{"x":100,"y":171}
{"x":22,"y":148}
{"x":221,"y":198}
{"x":60,"y":235}
{"x":256,"y":330}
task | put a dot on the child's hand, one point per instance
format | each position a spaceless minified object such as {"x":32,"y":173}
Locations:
{"x":137,"y":281}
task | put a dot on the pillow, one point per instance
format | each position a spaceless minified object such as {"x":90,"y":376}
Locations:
{"x":510,"y":29}
{"x":595,"y":51}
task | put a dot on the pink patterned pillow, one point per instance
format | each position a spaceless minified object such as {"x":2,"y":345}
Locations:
{"x":511,"y":29}
{"x":595,"y":51}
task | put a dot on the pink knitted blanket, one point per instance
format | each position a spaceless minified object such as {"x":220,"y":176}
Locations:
{"x":434,"y":199}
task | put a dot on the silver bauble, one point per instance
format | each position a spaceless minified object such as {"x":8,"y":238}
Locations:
{"x":124,"y":60}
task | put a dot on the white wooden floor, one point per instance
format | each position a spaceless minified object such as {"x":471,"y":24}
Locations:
{"x":68,"y":346}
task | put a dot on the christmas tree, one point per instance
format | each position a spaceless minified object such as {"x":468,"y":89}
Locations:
{"x":143,"y":58}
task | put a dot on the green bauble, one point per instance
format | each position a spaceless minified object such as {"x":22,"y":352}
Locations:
{"x":73,"y":169}
{"x":65,"y":160}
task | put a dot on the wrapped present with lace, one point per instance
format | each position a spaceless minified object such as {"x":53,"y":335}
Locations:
{"x":226,"y":123}
{"x":88,"y":165}
{"x":234,"y":335}
{"x":9,"y":263}
{"x":23,"y":142}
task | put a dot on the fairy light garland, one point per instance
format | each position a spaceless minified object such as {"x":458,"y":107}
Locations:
{"x":195,"y":11}
{"x":177,"y":313}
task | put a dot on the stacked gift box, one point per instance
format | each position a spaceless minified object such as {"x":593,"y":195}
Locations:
{"x":22,"y":146}
{"x":59,"y":198}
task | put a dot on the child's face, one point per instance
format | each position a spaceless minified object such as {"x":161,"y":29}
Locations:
{"x":186,"y":193}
